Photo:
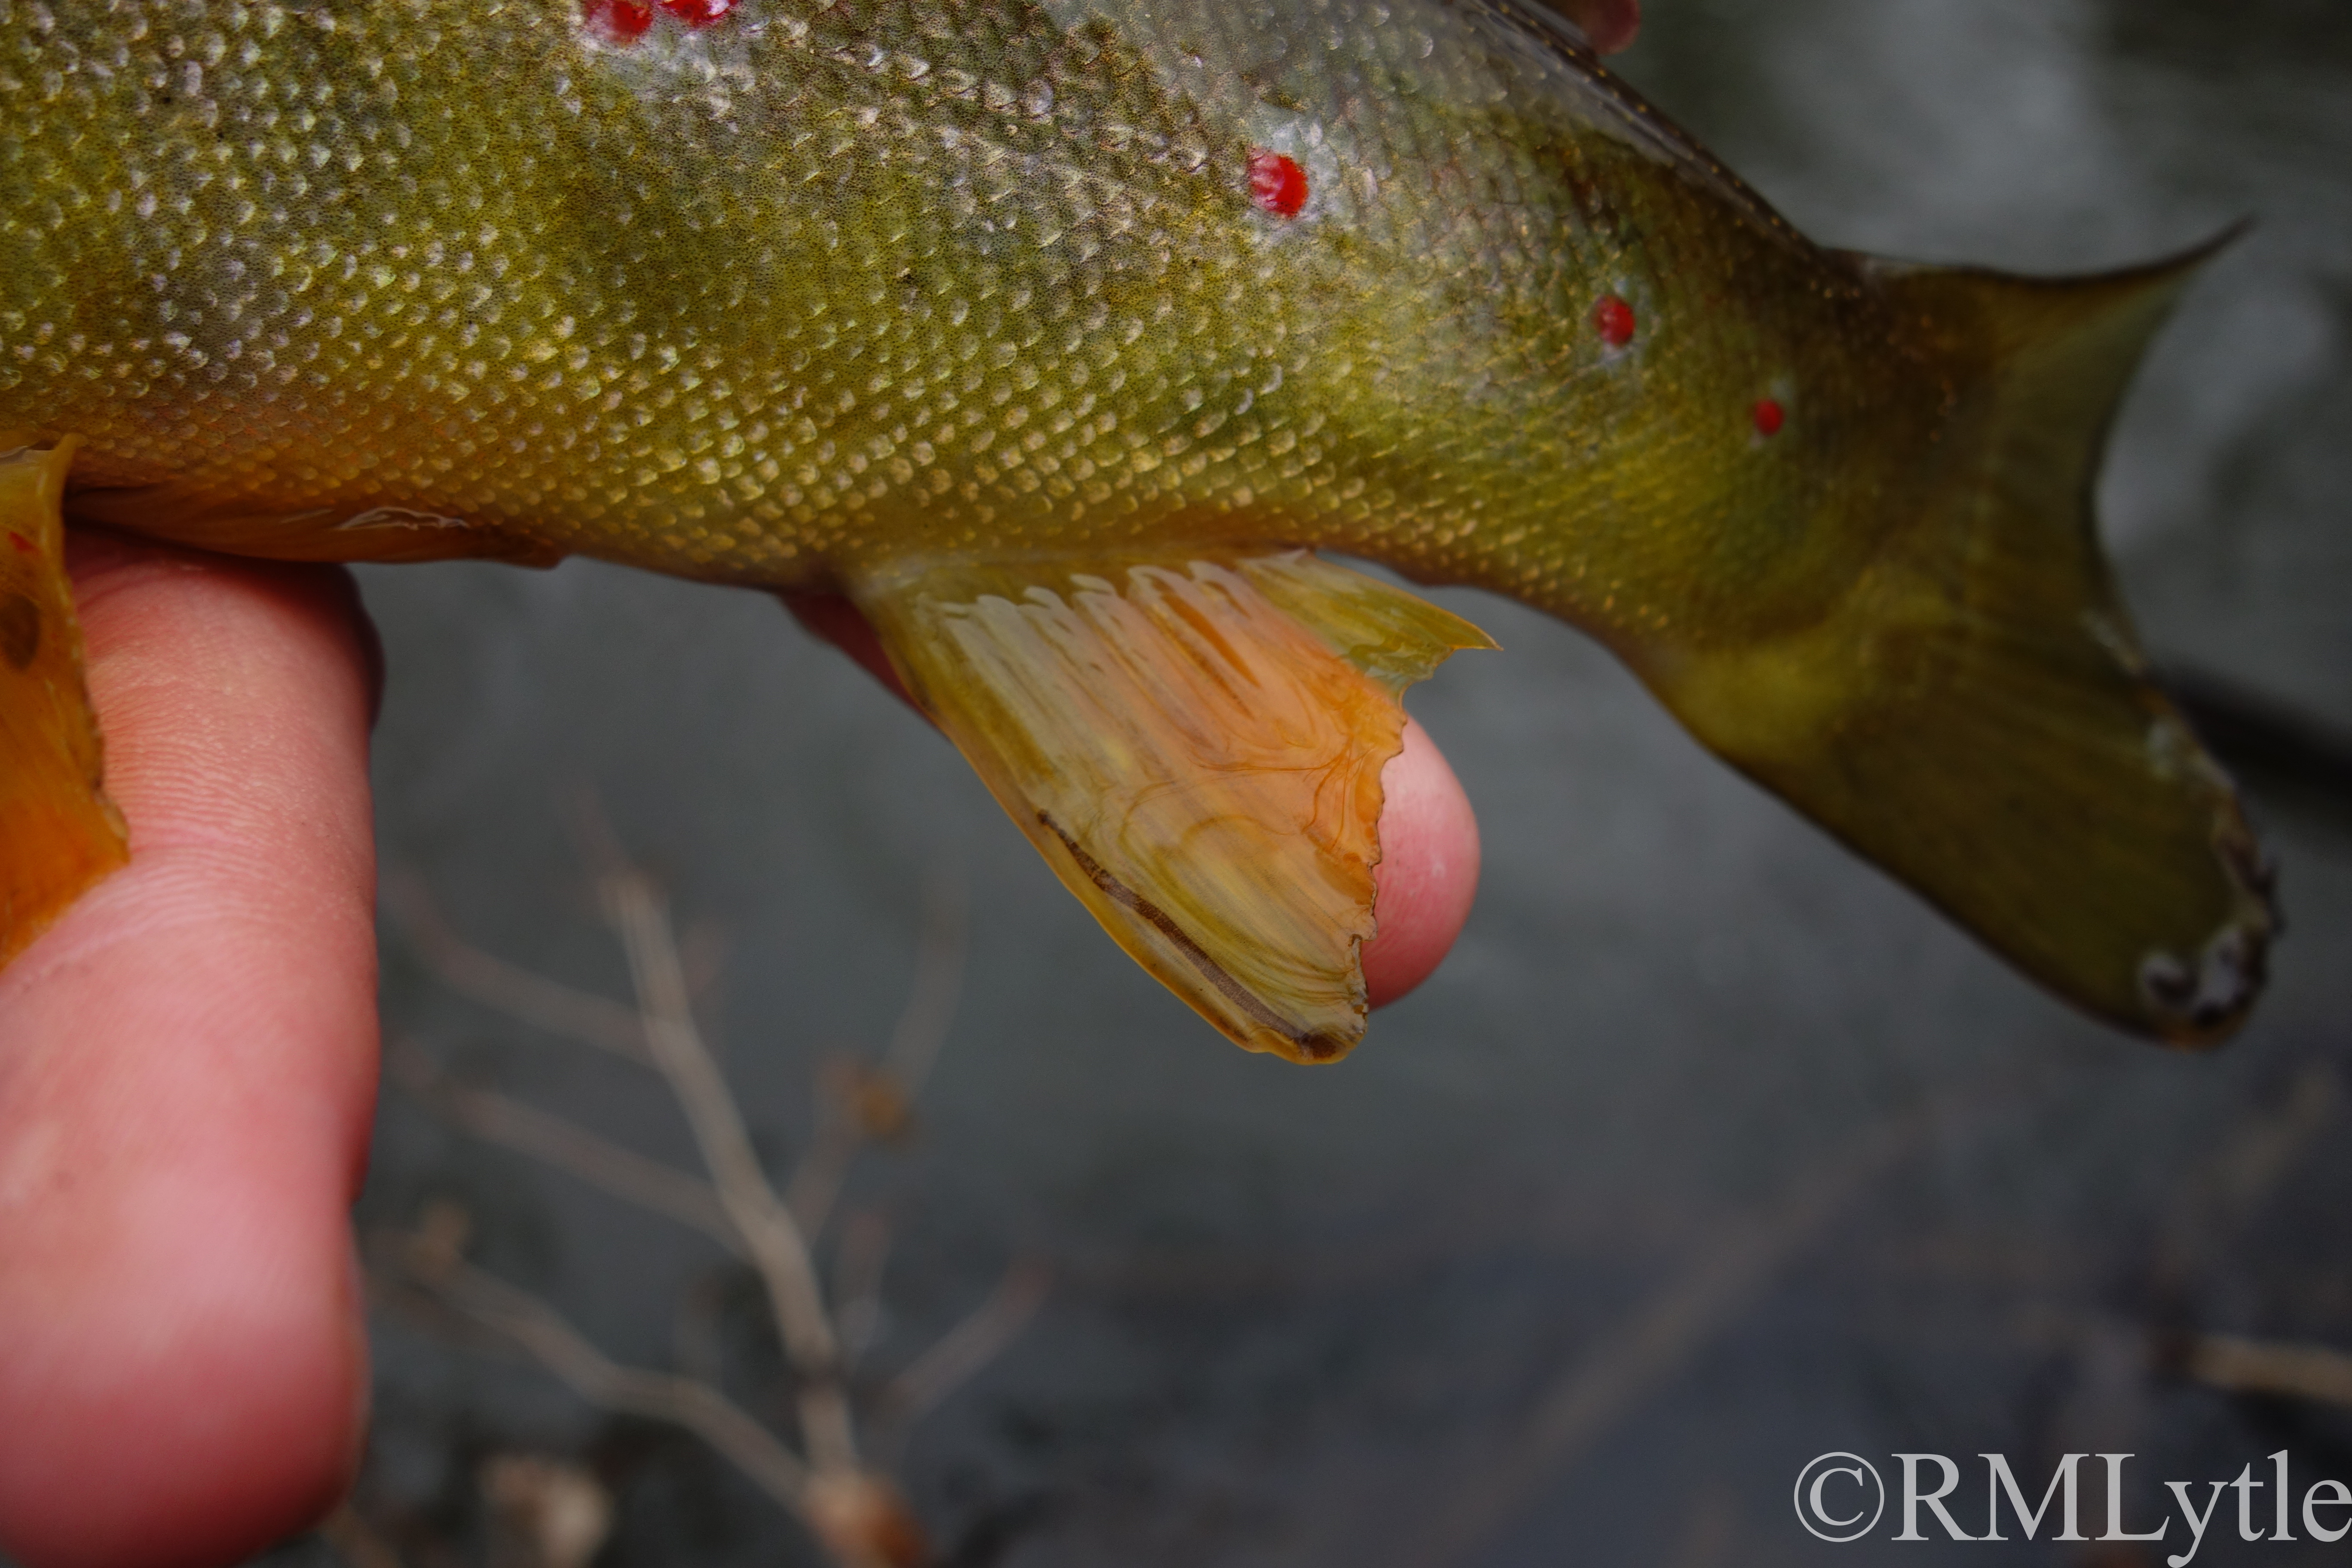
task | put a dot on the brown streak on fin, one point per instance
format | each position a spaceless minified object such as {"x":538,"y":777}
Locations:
{"x":1194,"y":745}
{"x":1321,"y":1046}
{"x":20,"y":629}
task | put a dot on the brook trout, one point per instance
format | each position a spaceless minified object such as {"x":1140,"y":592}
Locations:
{"x":1056,"y":333}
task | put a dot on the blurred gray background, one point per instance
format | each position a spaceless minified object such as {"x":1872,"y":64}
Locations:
{"x":1707,"y":1152}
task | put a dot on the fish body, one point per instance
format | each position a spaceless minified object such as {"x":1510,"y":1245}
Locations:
{"x":761,"y":300}
{"x":1046,"y":330}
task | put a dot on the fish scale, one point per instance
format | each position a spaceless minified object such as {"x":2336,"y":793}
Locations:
{"x":948,"y":304}
{"x":538,"y":319}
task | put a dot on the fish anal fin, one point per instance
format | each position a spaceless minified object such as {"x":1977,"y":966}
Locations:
{"x":1976,"y":715}
{"x":1194,"y":746}
{"x":59,"y":833}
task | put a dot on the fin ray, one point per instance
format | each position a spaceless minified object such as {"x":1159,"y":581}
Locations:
{"x":1977,"y":715}
{"x":59,"y":833}
{"x":1194,"y":746}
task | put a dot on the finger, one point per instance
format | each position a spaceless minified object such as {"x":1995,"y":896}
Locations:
{"x":1428,"y":874}
{"x":186,"y":1068}
{"x":1609,"y":25}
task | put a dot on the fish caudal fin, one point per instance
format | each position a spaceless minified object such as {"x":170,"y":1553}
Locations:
{"x":59,"y":833}
{"x":1194,"y":746}
{"x":1977,"y":717}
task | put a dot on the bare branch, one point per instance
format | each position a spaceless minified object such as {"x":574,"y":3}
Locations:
{"x":857,"y":1262}
{"x":816,"y":1180}
{"x":1657,"y":1340}
{"x":923,"y":1025}
{"x":696,"y":1348}
{"x":2254,"y":1366}
{"x":521,"y":996}
{"x":355,"y":1541}
{"x":865,"y":1102}
{"x":556,"y":1511}
{"x":854,"y":1511}
{"x":772,"y":1239}
{"x":702,"y":951}
{"x":497,"y":1119}
{"x":535,"y":1328}
{"x":971,"y":1345}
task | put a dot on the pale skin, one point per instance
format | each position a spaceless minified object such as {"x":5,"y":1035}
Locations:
{"x":188,"y":1070}
{"x":188,"y":1061}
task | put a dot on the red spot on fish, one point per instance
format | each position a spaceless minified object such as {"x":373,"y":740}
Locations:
{"x":1769,"y":417}
{"x":1278,"y":184}
{"x":698,"y":13}
{"x":1613,"y":320}
{"x":24,"y":545}
{"x":623,"y":20}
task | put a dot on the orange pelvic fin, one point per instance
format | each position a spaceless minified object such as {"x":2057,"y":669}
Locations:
{"x":59,"y":833}
{"x":1195,"y":746}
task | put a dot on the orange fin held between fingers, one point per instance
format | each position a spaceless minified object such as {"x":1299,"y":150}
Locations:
{"x":1195,"y":746}
{"x":59,"y":833}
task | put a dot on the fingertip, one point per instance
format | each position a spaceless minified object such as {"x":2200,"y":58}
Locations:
{"x":186,"y":1073}
{"x":1428,"y":875}
{"x":1610,"y":25}
{"x":199,"y":1387}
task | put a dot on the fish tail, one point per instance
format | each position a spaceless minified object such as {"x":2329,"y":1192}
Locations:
{"x":59,"y":833}
{"x":1976,"y":714}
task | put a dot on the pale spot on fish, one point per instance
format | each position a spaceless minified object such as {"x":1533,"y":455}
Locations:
{"x":399,"y":517}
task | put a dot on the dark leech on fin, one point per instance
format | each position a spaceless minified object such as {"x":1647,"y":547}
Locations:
{"x":1278,"y":184}
{"x":1613,"y":317}
{"x":1318,"y":1046}
{"x":20,"y":629}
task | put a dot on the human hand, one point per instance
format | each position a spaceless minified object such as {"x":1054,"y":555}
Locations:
{"x":1608,"y":24}
{"x":187,"y":1069}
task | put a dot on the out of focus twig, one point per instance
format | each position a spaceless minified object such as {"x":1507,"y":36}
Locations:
{"x":863,"y":1103}
{"x":846,"y":1501}
{"x":499,"y":1119}
{"x":532,"y":1325}
{"x":2317,"y":1373}
{"x":356,"y":1542}
{"x":556,"y":1514}
{"x":1656,"y":1339}
{"x":971,"y":1345}
{"x":521,"y":996}
{"x":768,"y":1231}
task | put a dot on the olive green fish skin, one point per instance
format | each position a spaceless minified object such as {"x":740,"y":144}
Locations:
{"x":821,"y":285}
